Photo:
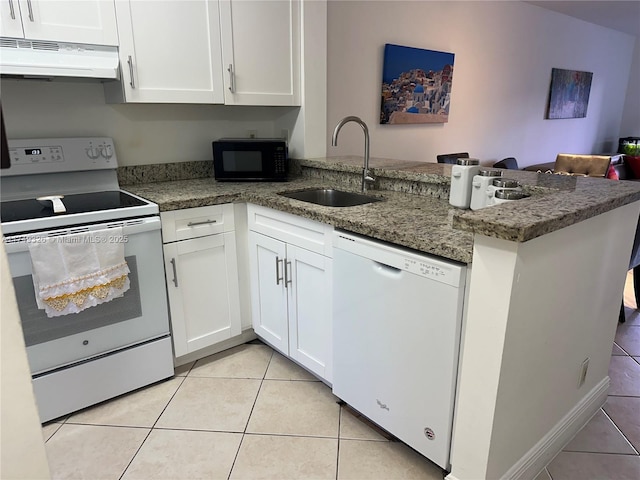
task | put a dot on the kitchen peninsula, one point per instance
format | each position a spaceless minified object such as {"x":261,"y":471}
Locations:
{"x":542,"y":296}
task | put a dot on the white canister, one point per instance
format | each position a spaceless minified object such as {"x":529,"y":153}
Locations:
{"x":462,"y":174}
{"x":500,"y":184}
{"x":504,"y":196}
{"x":479,"y":185}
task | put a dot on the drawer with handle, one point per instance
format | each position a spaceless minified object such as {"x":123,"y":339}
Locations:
{"x":196,"y":222}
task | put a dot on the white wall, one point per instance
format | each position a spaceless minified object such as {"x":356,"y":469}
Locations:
{"x":143,"y":133}
{"x":504,"y":53}
{"x":631,"y":116}
{"x":22,"y":454}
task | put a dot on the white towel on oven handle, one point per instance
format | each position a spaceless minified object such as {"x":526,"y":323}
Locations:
{"x":74,"y":272}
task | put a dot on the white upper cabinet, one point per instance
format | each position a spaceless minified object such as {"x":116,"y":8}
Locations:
{"x":233,"y":52}
{"x":261,"y":51}
{"x":169,"y":52}
{"x":87,"y":21}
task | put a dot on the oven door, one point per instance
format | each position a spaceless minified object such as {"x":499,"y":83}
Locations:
{"x":140,"y":315}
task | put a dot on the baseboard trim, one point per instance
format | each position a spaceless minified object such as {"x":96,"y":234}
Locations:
{"x":552,"y":443}
{"x":244,"y":337}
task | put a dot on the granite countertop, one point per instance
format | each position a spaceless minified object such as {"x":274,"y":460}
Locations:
{"x":556,"y":201}
{"x":424,"y":222}
{"x":419,"y":222}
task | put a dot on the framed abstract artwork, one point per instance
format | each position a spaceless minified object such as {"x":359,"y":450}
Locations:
{"x":416,"y":85}
{"x":569,"y":93}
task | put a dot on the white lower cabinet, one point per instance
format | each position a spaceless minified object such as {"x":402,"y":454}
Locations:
{"x":291,"y":293}
{"x":202,"y":276}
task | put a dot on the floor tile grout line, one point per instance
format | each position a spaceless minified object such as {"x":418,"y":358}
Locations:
{"x":152,"y":428}
{"x":626,"y":354}
{"x":255,"y":400}
{"x":259,"y":378}
{"x":57,"y":430}
{"x":623,"y":351}
{"x":235,"y":457}
{"x":338,"y":448}
{"x":135,"y":454}
{"x":603,"y":453}
{"x":246,"y":425}
{"x":298,"y":435}
{"x":631,"y":455}
{"x":620,"y":430}
{"x":107,"y":425}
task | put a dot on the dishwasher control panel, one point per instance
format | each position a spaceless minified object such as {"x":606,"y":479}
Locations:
{"x":401,"y":259}
{"x":425,"y":268}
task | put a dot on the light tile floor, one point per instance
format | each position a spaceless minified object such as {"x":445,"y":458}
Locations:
{"x":247,"y":413}
{"x":607,"y":447}
{"x":250,"y":413}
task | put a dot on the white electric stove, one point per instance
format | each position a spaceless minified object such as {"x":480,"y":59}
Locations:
{"x":65,"y":186}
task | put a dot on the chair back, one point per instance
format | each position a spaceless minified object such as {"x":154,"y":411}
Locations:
{"x":451,"y":157}
{"x":585,"y":165}
{"x":510,"y":162}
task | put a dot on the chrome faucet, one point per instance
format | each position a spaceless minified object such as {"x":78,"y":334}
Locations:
{"x":334,"y":141}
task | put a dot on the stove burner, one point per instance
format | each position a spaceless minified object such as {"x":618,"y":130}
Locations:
{"x":18,"y":210}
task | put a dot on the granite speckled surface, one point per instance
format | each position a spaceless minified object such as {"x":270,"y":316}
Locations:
{"x":556,"y":201}
{"x":419,"y":222}
{"x":422,"y":220}
{"x":164,"y":172}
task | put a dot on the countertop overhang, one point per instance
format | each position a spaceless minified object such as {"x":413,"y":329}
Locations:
{"x":426,"y":223}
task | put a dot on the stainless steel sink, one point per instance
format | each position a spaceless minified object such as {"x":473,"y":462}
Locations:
{"x":331,"y":198}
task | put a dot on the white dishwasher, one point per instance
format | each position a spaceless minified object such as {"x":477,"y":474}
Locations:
{"x":396,"y":336}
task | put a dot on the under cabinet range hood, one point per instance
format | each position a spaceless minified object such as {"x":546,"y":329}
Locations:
{"x":35,"y":58}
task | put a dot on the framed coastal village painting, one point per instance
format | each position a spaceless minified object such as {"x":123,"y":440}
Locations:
{"x":416,"y":85}
{"x":569,"y":93}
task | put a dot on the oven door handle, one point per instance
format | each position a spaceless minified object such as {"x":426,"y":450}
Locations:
{"x":15,"y":243}
{"x":175,"y":272}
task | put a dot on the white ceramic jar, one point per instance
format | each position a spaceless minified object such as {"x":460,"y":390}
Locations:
{"x":504,"y":196}
{"x":479,"y":186}
{"x":462,"y":174}
{"x":500,"y":184}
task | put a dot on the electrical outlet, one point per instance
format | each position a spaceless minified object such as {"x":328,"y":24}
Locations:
{"x":583,"y":372}
{"x":252,"y":133}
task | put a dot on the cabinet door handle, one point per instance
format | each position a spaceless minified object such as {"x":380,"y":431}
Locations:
{"x":132,"y":82}
{"x":12,"y":10}
{"x":30,"y":10}
{"x":287,"y":276}
{"x":278,"y":277}
{"x":232,"y":79}
{"x":175,"y":273}
{"x":206,"y":222}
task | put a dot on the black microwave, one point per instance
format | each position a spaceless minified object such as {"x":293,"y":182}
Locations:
{"x":250,"y":159}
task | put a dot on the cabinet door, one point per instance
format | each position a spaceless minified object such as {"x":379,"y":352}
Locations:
{"x":10,"y":21}
{"x":170,"y":51}
{"x":310,"y":310}
{"x":88,"y":21}
{"x":202,"y":283}
{"x":261,"y":51}
{"x":268,"y":293}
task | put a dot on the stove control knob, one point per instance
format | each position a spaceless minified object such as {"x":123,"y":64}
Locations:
{"x":106,"y":151}
{"x":85,"y":342}
{"x":92,"y":152}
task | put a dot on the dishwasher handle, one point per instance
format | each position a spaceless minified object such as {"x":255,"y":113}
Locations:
{"x":386,"y":269}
